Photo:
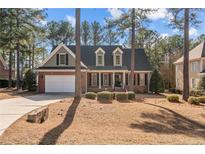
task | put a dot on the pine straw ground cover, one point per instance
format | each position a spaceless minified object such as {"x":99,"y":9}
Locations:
{"x":6,"y":93}
{"x":150,"y":119}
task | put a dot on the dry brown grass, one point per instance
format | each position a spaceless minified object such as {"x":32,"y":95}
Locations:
{"x":148,"y":120}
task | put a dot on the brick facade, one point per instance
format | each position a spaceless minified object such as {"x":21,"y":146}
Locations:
{"x":4,"y":73}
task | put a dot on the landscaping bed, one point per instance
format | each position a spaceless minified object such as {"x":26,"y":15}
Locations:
{"x":149,"y":119}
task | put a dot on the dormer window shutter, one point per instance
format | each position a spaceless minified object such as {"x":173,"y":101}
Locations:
{"x":66,"y":59}
{"x":57,"y":59}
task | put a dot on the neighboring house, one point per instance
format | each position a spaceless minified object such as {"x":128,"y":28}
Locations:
{"x":196,"y":67}
{"x":4,"y":71}
{"x":103,"y":68}
{"x":167,"y":68}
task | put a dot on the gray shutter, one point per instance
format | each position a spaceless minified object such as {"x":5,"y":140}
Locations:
{"x":66,"y":59}
{"x":57,"y":59}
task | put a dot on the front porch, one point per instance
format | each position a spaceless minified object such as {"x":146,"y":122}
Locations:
{"x":117,"y":81}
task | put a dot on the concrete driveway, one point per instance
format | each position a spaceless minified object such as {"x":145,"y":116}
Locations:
{"x":12,"y":109}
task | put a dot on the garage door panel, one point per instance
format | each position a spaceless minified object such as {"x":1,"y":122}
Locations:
{"x":59,"y":83}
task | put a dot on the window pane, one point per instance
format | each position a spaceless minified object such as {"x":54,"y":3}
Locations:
{"x":117,"y":59}
{"x":100,"y":60}
{"x":105,"y":79}
{"x":142,"y":80}
{"x":94,"y":79}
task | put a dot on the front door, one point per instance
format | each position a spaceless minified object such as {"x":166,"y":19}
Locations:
{"x":118,"y":80}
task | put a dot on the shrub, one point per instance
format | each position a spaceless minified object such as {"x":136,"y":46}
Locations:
{"x":30,"y":80}
{"x":193,"y":100}
{"x":5,"y":83}
{"x":173,"y":98}
{"x":131,"y":94}
{"x":201,"y":99}
{"x":196,"y":93}
{"x":104,"y":96}
{"x":202,"y":83}
{"x":121,"y":96}
{"x":90,"y":95}
{"x":156,"y":82}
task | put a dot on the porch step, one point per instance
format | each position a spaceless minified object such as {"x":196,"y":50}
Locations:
{"x":119,"y":89}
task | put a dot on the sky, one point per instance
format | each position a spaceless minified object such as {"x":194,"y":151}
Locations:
{"x":159,"y":20}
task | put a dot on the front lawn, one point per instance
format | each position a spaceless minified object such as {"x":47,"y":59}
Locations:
{"x":151,"y":119}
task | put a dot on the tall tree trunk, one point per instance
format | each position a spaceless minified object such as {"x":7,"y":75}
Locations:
{"x":10,"y":68}
{"x":18,"y":57}
{"x":132,"y":51}
{"x":78,"y":89}
{"x":33,"y":55}
{"x":186,"y":56}
{"x":29,"y":57}
{"x":18,"y":66}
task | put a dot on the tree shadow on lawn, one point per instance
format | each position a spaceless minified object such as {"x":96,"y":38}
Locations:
{"x":169,"y":122}
{"x":52,"y":136}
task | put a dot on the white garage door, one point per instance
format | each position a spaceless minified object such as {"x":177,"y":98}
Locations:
{"x":59,"y":83}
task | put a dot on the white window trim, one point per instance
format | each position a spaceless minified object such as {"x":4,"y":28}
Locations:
{"x":142,"y":79}
{"x":114,"y":56}
{"x":59,"y":59}
{"x":104,"y":79}
{"x":103,"y":56}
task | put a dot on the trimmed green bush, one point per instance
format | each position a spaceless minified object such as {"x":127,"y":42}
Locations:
{"x":30,"y":80}
{"x":196,"y":93}
{"x":104,"y":96}
{"x":173,"y":98}
{"x":131,"y":95}
{"x":90,"y":95}
{"x":193,"y":100}
{"x":121,"y":96}
{"x":156,"y":82}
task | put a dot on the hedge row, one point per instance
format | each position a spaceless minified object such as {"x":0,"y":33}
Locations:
{"x":4,"y":83}
{"x":107,"y":96}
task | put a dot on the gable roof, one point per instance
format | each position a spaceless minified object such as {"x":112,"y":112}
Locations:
{"x":55,"y":50}
{"x":196,"y":53}
{"x":88,"y":57}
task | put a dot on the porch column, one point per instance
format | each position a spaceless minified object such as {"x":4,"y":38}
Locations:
{"x":99,"y":80}
{"x":123,"y":80}
{"x":148,"y":78}
{"x":113,"y":80}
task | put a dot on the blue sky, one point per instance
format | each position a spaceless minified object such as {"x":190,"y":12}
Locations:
{"x":159,"y":20}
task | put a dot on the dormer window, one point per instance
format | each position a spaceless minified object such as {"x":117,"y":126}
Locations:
{"x":100,"y":57}
{"x":117,"y":57}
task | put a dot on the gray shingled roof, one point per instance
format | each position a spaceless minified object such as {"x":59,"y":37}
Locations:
{"x":88,"y":57}
{"x":197,"y":52}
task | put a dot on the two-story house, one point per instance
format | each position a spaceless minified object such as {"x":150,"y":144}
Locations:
{"x":103,"y":68}
{"x":196,"y":67}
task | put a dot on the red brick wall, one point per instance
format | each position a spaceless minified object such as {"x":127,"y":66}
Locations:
{"x":41,"y":79}
{"x":4,"y":73}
